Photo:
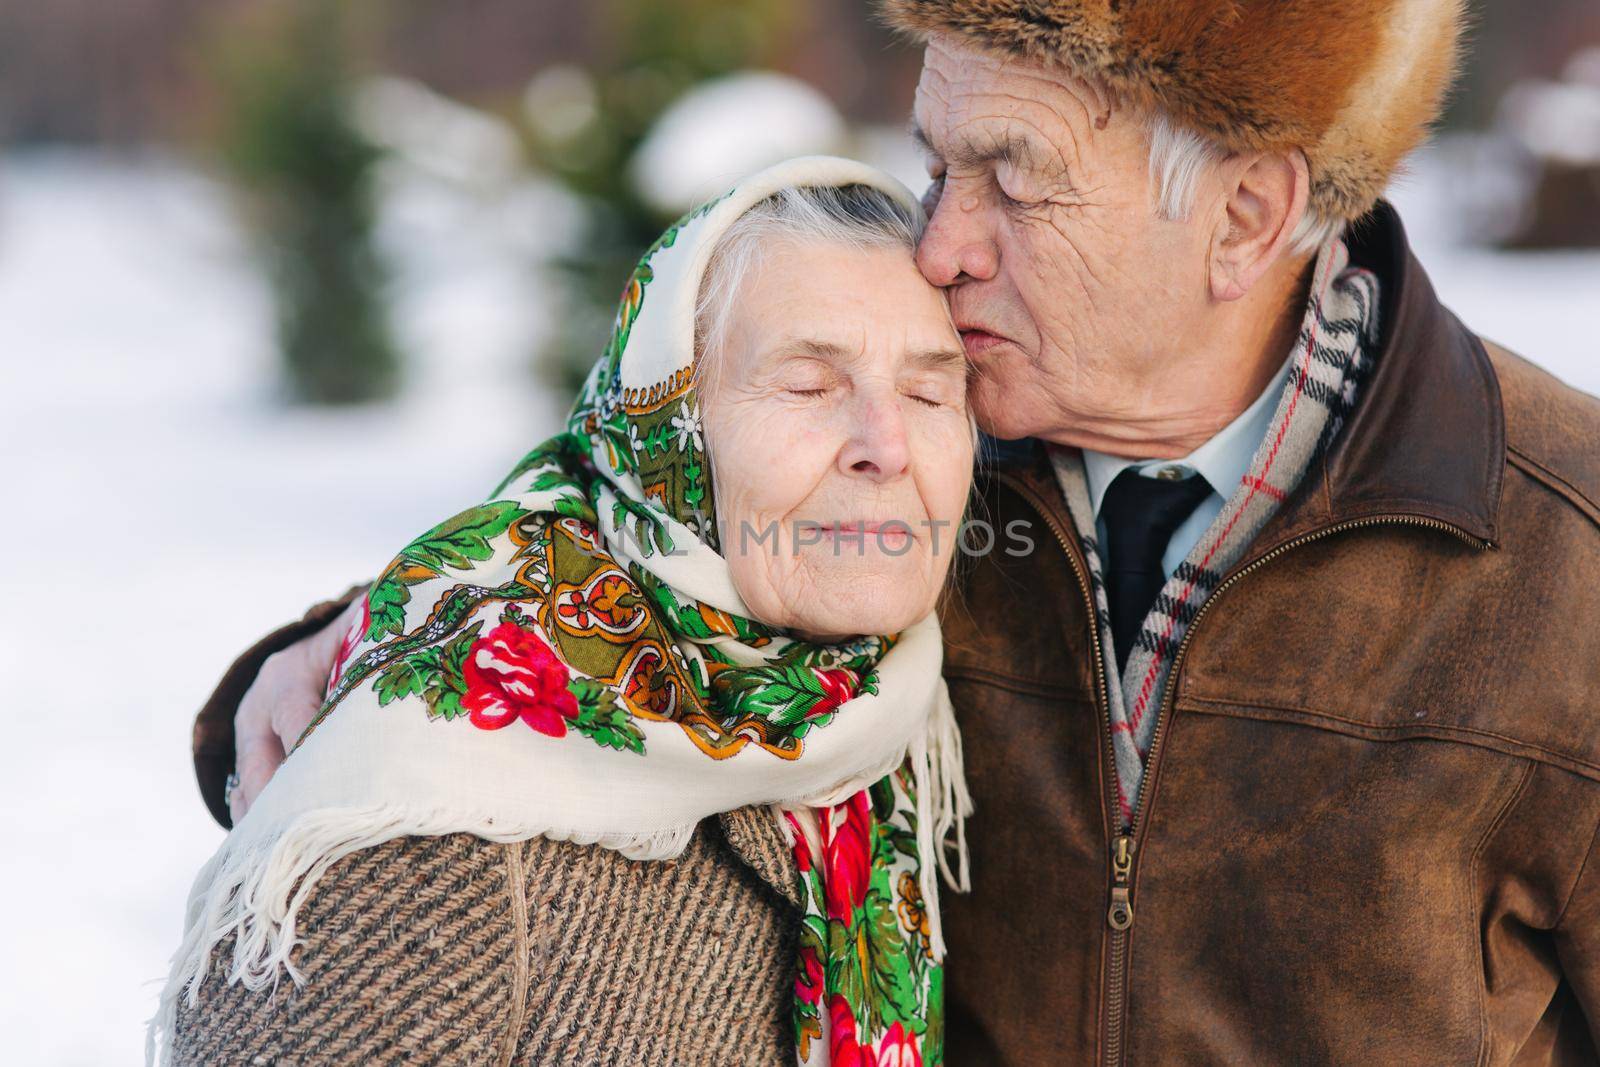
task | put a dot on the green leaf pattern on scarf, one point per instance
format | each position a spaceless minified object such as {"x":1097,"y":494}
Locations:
{"x":881,"y":993}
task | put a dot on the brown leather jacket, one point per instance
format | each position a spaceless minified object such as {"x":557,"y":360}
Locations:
{"x":1369,"y":830}
{"x":1368,"y":833}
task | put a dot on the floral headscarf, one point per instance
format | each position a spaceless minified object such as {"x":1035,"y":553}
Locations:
{"x":580,"y":625}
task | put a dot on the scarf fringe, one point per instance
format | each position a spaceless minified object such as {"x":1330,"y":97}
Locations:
{"x":943,"y":804}
{"x":256,"y":884}
{"x":262,"y":875}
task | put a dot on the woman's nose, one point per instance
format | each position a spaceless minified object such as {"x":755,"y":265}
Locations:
{"x":959,"y":241}
{"x":877,"y":447}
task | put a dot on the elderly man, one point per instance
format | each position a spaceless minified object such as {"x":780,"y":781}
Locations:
{"x":1284,"y":739}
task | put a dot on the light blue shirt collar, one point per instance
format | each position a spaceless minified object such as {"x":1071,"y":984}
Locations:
{"x":1223,"y":461}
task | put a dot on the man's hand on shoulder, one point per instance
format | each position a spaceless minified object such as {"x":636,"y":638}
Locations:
{"x":279,"y":705}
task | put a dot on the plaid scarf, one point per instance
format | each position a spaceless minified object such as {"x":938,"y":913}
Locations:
{"x":1332,"y":355}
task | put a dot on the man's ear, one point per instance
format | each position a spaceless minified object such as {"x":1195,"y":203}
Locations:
{"x":1266,"y":199}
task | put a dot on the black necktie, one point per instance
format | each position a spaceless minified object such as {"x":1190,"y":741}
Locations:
{"x":1140,"y":515}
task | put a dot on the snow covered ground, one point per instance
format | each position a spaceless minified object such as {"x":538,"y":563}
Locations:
{"x":165,"y":512}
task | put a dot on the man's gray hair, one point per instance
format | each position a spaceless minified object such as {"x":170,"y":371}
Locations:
{"x":1179,"y":157}
{"x":858,"y":216}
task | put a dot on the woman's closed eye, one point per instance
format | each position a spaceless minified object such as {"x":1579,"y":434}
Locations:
{"x":804,"y":378}
{"x":940,"y":391}
{"x":808,"y":387}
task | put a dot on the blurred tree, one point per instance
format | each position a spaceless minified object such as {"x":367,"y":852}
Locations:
{"x":586,"y":125}
{"x":307,"y":174}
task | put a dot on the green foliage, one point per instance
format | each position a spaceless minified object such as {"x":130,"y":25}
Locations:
{"x":657,"y":440}
{"x":404,"y":677}
{"x":784,"y":694}
{"x":576,"y":507}
{"x":444,"y":696}
{"x":387,"y":600}
{"x":435,"y":673}
{"x":695,"y":494}
{"x":462,"y":540}
{"x":882,"y":990}
{"x":678,"y":619}
{"x":649,"y":529}
{"x":894,"y":993}
{"x":561,"y":452}
{"x":455,"y":544}
{"x":659,"y":49}
{"x":306,"y":173}
{"x":890,"y":838}
{"x":603,"y":718}
{"x":933,"y":1037}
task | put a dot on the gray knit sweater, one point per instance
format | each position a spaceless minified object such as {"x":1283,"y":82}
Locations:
{"x":461,"y":951}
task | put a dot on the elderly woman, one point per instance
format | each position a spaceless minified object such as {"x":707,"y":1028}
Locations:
{"x":647,"y":758}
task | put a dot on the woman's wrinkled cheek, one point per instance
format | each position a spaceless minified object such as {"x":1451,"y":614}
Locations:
{"x":749,"y":545}
{"x":766,"y":460}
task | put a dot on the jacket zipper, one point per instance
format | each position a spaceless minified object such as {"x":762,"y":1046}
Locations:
{"x":1119,"y":912}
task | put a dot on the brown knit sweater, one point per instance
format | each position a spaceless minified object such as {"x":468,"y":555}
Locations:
{"x":455,"y":950}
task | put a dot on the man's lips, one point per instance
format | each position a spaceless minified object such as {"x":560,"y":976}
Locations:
{"x":977,"y":340}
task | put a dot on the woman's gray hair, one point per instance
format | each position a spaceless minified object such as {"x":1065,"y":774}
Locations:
{"x":858,"y":216}
{"x":1179,"y":157}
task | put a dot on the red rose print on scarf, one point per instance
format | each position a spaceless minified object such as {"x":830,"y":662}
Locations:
{"x":800,"y":847}
{"x":838,"y":686}
{"x":898,"y":1048}
{"x":844,"y":1046}
{"x":511,"y":673}
{"x":808,"y":983}
{"x":846,"y":856}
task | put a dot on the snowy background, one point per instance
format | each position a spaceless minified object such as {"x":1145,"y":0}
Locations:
{"x":167,"y":508}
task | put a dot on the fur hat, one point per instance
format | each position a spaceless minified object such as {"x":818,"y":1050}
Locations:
{"x":1352,"y":83}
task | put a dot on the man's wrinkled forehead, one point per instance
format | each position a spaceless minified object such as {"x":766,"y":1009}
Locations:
{"x":975,"y":103}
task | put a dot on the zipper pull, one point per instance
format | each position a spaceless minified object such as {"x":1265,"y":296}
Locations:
{"x":1121,"y":858}
{"x":1120,"y":914}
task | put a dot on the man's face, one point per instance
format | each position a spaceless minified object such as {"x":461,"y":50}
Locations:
{"x":1074,"y":299}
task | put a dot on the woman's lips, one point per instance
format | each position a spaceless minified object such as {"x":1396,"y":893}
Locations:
{"x":892,"y":526}
{"x":888,"y":532}
{"x":979,"y":341}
